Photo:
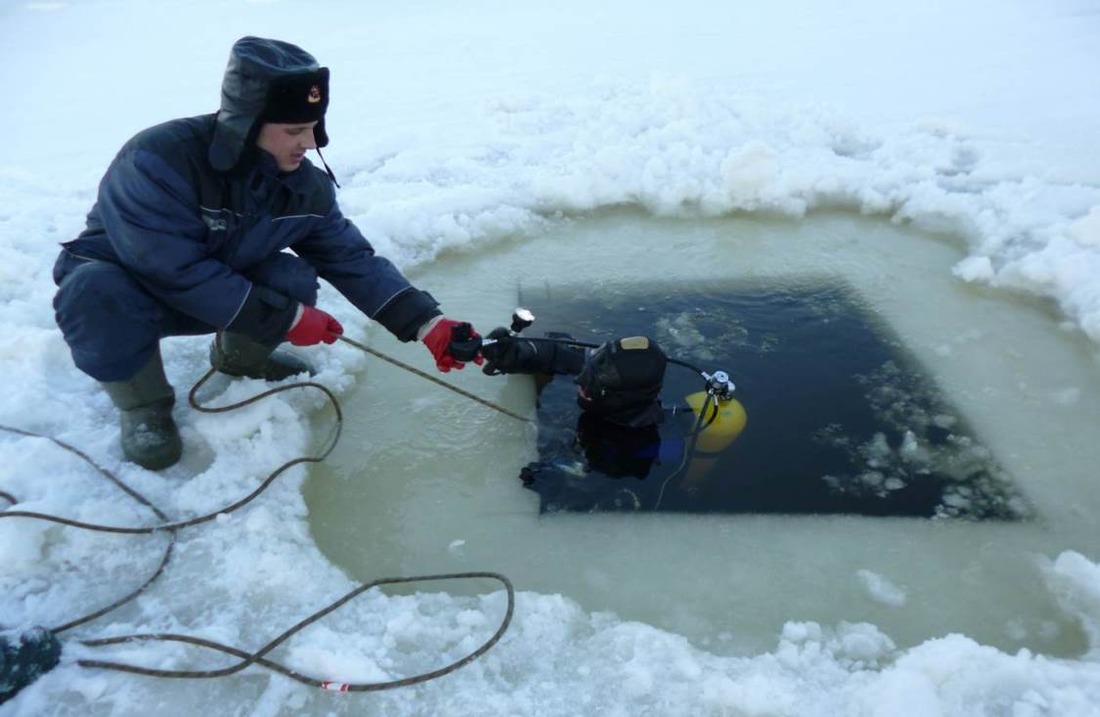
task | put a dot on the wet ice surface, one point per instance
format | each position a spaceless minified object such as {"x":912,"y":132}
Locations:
{"x":425,"y":480}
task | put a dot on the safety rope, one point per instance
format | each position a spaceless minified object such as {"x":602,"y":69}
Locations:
{"x":257,"y":657}
{"x":169,"y":546}
{"x":433,"y":379}
{"x":689,"y":447}
{"x":170,"y":528}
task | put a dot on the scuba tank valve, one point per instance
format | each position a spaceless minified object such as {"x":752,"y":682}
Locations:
{"x":719,"y":385}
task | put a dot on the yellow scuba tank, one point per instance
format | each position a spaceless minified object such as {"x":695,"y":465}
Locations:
{"x":723,"y":422}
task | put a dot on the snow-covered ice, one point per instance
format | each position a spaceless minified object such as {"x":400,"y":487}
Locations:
{"x":459,"y":130}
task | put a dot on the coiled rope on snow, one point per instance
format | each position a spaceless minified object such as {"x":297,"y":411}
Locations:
{"x":169,"y":528}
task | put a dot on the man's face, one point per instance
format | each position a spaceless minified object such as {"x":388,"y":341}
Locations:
{"x":287,"y":142}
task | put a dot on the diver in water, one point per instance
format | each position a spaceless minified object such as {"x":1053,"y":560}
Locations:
{"x":623,"y":430}
{"x":24,"y":657}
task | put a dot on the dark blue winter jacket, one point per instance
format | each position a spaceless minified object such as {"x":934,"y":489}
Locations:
{"x":188,"y":233}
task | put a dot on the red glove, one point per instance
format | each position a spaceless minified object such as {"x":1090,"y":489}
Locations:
{"x":439,"y":339}
{"x":313,"y":327}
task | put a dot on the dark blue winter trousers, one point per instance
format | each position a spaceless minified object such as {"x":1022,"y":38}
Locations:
{"x":113,"y":325}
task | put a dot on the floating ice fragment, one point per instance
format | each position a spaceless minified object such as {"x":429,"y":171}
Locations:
{"x":909,"y":446}
{"x":880,"y":589}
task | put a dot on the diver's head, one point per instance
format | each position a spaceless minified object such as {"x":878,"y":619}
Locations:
{"x":621,"y":381}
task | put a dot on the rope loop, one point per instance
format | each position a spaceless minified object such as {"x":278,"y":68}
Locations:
{"x":170,"y":528}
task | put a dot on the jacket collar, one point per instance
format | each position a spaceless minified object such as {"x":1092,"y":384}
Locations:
{"x":257,"y":162}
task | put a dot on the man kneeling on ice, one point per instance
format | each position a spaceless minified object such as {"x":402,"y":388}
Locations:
{"x":189,"y":235}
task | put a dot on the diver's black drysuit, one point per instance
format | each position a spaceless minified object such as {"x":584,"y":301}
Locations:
{"x":617,"y":433}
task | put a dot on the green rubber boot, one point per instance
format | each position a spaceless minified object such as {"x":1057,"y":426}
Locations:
{"x":148,"y":434}
{"x":238,"y":355}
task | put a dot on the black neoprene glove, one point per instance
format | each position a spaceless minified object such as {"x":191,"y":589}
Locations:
{"x":506,"y":353}
{"x":515,"y":354}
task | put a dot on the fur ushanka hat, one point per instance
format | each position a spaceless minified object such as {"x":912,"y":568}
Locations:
{"x":267,"y":81}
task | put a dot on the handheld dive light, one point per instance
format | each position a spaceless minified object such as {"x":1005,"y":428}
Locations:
{"x":465,"y":346}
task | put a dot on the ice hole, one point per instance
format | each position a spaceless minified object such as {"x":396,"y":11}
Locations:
{"x":425,"y":481}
